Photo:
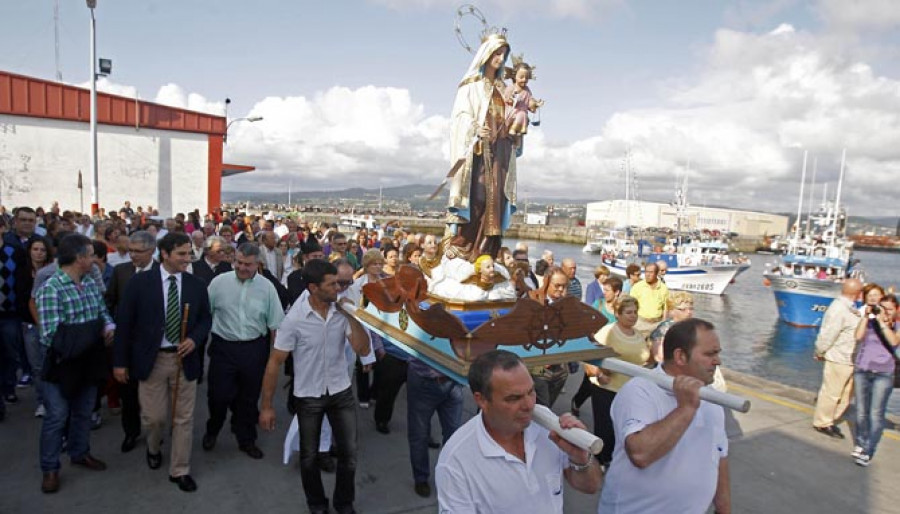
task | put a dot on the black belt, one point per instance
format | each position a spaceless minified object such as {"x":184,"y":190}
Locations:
{"x":168,"y":349}
{"x":216,"y":337}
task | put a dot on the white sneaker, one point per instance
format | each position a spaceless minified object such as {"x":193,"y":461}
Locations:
{"x":857,"y":452}
{"x":863,"y":460}
{"x":40,"y":411}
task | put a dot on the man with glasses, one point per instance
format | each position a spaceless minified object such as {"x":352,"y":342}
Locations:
{"x":521,"y":258}
{"x":339,"y":247}
{"x":140,"y":248}
{"x":246,"y":314}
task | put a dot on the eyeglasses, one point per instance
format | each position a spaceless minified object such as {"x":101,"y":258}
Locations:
{"x":139,"y":250}
{"x":345,"y":283}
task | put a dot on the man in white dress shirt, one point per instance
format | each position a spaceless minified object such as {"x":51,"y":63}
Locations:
{"x":316,"y":331}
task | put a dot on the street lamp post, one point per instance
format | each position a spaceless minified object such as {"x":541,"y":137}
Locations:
{"x":95,"y":181}
{"x":251,"y":119}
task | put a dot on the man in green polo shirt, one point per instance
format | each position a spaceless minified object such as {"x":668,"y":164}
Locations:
{"x":651,"y":294}
{"x":246,"y":313}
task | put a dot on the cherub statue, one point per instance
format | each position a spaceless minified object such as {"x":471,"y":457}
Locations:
{"x":519,"y":98}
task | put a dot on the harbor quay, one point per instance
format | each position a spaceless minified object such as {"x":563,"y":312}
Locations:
{"x":778,"y":464}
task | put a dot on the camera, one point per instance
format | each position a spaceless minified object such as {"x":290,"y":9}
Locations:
{"x":874,"y":310}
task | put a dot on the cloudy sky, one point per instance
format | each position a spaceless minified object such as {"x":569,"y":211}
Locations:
{"x":358,"y":92}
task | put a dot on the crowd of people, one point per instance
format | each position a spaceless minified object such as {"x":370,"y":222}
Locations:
{"x":238,"y":300}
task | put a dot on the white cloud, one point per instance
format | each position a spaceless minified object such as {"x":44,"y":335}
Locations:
{"x":859,"y":15}
{"x":174,"y":95}
{"x":493,"y":10}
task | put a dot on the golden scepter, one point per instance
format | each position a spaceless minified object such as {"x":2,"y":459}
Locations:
{"x":184,"y":322}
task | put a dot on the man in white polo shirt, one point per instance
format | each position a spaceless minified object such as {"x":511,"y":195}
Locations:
{"x":671,"y":450}
{"x":500,"y":462}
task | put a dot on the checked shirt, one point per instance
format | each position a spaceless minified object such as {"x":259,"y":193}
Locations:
{"x":61,"y":300}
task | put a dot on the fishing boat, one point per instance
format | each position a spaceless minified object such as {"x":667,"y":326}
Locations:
{"x":614,"y":242}
{"x":699,"y":267}
{"x":809,"y":275}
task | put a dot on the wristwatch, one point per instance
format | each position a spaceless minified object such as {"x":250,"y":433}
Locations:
{"x":581,"y":467}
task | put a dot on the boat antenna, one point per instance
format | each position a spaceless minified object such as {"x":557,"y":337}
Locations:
{"x":812,"y":186}
{"x":837,"y":199}
{"x":800,"y":206}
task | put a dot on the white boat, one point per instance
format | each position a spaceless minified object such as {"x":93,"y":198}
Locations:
{"x":350,"y":223}
{"x":614,"y":242}
{"x":698,"y":267}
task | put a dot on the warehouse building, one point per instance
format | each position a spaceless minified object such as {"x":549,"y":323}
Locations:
{"x":149,"y":154}
{"x":623,"y":213}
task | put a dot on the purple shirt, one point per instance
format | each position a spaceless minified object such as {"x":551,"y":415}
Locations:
{"x":872,"y":355}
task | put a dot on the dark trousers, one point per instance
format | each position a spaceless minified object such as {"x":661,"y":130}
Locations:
{"x":601,"y":404}
{"x":364,"y":388}
{"x":390,"y":374}
{"x":341,"y":411}
{"x":11,"y":335}
{"x":425,"y":396}
{"x":584,"y":392}
{"x":549,"y":384}
{"x":131,"y":408}
{"x":234,"y":380}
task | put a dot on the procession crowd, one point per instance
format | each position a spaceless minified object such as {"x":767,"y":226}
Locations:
{"x":134,"y":311}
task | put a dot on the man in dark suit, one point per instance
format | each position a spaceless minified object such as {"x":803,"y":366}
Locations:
{"x":213,"y":261}
{"x":140,"y":247}
{"x":150,"y":348}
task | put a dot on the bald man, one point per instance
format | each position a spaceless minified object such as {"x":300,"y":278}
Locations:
{"x":835,"y":345}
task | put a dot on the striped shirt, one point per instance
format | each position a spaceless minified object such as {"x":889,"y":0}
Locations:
{"x":61,"y":300}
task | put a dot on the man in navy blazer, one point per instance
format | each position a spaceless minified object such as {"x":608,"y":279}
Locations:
{"x":154,"y":354}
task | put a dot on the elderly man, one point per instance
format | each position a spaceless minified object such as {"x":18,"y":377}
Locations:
{"x":140,"y":247}
{"x":269,"y":254}
{"x":501,"y":462}
{"x":835,"y":345}
{"x":197,"y":246}
{"x":246,"y":313}
{"x":213,"y":262}
{"x":671,"y":452}
{"x":651,"y":294}
{"x":569,"y":267}
{"x":661,"y":269}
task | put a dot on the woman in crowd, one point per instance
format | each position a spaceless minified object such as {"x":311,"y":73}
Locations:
{"x":39,"y":252}
{"x":391,"y":261}
{"x":873,"y":375}
{"x":632,"y":277}
{"x":371,"y":271}
{"x":631,"y":347}
{"x":411,"y":254}
{"x":594,"y":291}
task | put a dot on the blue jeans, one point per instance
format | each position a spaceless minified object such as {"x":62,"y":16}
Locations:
{"x":872,"y":391}
{"x":424,"y":396}
{"x":59,"y":409}
{"x":341,"y":411}
{"x":11,"y":334}
{"x":35,"y":352}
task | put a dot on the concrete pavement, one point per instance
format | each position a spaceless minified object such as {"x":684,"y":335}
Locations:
{"x":778,"y":464}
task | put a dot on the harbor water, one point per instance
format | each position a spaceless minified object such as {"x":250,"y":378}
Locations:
{"x":753,"y":339}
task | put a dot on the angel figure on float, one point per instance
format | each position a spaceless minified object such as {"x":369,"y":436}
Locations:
{"x":519,"y":98}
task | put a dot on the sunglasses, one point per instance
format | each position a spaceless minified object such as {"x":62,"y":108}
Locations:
{"x":345,"y":283}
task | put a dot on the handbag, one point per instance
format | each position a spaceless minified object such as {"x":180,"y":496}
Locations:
{"x":894,"y":351}
{"x":72,"y":340}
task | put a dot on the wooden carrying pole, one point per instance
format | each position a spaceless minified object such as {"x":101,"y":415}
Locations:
{"x":181,"y":338}
{"x":709,"y":394}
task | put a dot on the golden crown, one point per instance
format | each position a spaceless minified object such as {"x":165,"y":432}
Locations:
{"x":494,"y":33}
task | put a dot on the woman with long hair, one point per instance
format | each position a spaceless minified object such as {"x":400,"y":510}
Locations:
{"x":873,"y":374}
{"x":39,"y":253}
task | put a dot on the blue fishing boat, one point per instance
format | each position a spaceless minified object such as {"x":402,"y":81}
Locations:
{"x":810,"y":274}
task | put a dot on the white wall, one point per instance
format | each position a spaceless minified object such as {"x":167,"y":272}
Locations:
{"x":612,"y":214}
{"x":40,"y":159}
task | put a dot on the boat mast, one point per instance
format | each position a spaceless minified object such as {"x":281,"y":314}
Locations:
{"x":812,"y":186}
{"x":837,"y":199}
{"x":800,"y":206}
